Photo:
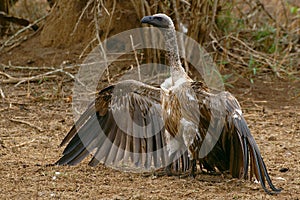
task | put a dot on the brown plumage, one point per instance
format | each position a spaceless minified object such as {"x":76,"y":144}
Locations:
{"x":116,"y":141}
{"x":178,"y":123}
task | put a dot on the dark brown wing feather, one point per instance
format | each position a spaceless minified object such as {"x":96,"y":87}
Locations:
{"x":114,"y":138}
{"x":235,"y":145}
{"x":223,"y":140}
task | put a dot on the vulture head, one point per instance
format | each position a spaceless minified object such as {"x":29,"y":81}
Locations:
{"x":159,"y":20}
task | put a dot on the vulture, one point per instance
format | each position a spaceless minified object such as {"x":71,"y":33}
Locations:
{"x":172,"y":126}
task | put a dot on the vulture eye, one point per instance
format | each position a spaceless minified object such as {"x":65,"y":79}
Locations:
{"x":158,"y":18}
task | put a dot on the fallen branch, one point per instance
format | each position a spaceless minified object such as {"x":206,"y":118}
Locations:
{"x":18,"y":81}
{"x":48,"y":75}
{"x":24,"y":67}
{"x":20,"y":21}
{"x":27,"y":123}
{"x":6,"y":43}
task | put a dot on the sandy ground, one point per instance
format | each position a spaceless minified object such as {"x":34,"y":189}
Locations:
{"x":35,"y":117}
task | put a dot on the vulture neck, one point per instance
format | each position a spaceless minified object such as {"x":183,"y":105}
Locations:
{"x":177,"y":71}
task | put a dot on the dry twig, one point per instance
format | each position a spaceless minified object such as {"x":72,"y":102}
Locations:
{"x":47,"y":75}
{"x":225,"y":50}
{"x":87,"y":46}
{"x":136,"y":58}
{"x":18,"y":81}
{"x":27,"y":123}
{"x":23,"y":143}
{"x":2,"y":93}
{"x":100,"y":44}
{"x":81,"y":16}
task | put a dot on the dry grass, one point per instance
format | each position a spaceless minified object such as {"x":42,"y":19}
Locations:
{"x":261,"y":36}
{"x":248,"y":37}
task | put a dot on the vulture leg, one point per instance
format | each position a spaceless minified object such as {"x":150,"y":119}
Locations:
{"x":194,"y":168}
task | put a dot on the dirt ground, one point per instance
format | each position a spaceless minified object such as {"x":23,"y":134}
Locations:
{"x":35,"y":117}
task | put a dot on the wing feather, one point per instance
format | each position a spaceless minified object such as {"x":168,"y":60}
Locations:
{"x":235,"y":148}
{"x":136,"y":139}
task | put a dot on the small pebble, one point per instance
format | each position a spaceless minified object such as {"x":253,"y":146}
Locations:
{"x":284,"y":169}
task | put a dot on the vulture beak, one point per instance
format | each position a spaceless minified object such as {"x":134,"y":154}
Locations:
{"x":147,"y":19}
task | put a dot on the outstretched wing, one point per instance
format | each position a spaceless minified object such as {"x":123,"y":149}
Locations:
{"x":226,"y":135}
{"x":123,"y":127}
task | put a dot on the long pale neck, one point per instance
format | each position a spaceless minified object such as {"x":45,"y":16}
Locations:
{"x":177,"y":70}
